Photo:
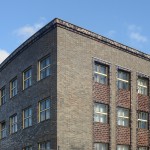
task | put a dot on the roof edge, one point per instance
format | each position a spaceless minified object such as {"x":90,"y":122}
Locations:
{"x":61,"y":23}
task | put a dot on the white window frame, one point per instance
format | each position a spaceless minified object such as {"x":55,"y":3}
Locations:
{"x":44,"y":68}
{"x":101,"y":113}
{"x":142,"y":86}
{"x":13,"y":124}
{"x":27,"y":118}
{"x":99,"y":73}
{"x":123,"y":117}
{"x":2,"y":96}
{"x":143,"y":120}
{"x":122,"y":80}
{"x":27,"y":79}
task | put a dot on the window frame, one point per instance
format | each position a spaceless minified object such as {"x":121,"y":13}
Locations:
{"x":3,"y":130}
{"x":101,"y":113}
{"x":13,"y":88}
{"x":143,"y":120}
{"x":45,"y":142}
{"x":28,"y":147}
{"x":27,"y":118}
{"x":2,"y":102}
{"x":99,"y":73}
{"x":28,"y":78}
{"x":139,"y":148}
{"x":39,"y":66}
{"x":12,"y":125}
{"x":39,"y":110}
{"x":123,"y":117}
{"x":98,"y":145}
{"x":123,"y":80}
{"x":143,"y":86}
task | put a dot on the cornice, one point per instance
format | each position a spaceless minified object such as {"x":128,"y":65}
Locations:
{"x":71,"y":27}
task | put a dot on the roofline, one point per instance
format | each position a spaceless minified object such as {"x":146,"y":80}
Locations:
{"x":61,"y":23}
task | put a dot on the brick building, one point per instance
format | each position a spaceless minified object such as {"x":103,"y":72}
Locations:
{"x":67,"y":88}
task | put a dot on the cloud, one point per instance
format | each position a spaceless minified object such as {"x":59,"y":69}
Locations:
{"x":136,"y":35}
{"x":26,"y":31}
{"x":3,"y":55}
{"x":111,"y":33}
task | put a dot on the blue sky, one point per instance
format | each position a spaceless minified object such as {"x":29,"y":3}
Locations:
{"x":125,"y":21}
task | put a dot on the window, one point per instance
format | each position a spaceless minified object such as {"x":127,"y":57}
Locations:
{"x":27,"y":117}
{"x":44,"y":68}
{"x":100,"y":146}
{"x":122,"y":147}
{"x":13,"y":87}
{"x":44,"y":146}
{"x":143,"y":86}
{"x":123,"y":80}
{"x":3,"y":130}
{"x":44,"y":110}
{"x":123,"y":117}
{"x":100,"y":113}
{"x":143,"y":148}
{"x":13,"y":124}
{"x":143,"y":120}
{"x":27,"y":77}
{"x":3,"y":96}
{"x":28,"y":148}
{"x":101,"y":73}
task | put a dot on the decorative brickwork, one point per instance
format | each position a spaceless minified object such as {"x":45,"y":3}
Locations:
{"x":124,"y":98}
{"x":143,"y":103}
{"x":143,"y":137}
{"x":123,"y":135}
{"x":101,"y":132}
{"x":101,"y":93}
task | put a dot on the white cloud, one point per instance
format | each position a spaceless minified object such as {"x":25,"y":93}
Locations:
{"x":26,"y":31}
{"x":111,"y":33}
{"x":3,"y":55}
{"x":136,"y":35}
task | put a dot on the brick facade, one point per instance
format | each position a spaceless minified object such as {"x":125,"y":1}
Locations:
{"x":73,"y":91}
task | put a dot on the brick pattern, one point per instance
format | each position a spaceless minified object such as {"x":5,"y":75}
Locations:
{"x":101,"y":93}
{"x":123,"y":135}
{"x":124,"y":98}
{"x":101,"y":132}
{"x":143,"y":137}
{"x":143,"y":103}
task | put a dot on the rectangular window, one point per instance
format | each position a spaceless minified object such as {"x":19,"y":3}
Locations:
{"x":143,"y":86}
{"x":100,"y":113}
{"x":27,"y":117}
{"x":44,"y":110}
{"x":101,"y":73}
{"x":143,"y":120}
{"x":44,"y":146}
{"x":3,"y":96}
{"x":122,"y":147}
{"x":100,"y":146}
{"x":143,"y":148}
{"x":3,"y":130}
{"x":13,"y":87}
{"x":44,"y":68}
{"x":27,"y":78}
{"x":13,"y":124}
{"x":123,"y":80}
{"x":123,"y":116}
{"x":28,"y":148}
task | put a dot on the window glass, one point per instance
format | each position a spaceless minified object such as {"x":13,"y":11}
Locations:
{"x":143,"y":86}
{"x":3,"y":96}
{"x":143,"y":120}
{"x":100,"y":146}
{"x":27,"y":78}
{"x":27,"y":117}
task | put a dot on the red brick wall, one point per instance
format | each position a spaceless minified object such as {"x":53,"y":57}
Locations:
{"x":101,"y":93}
{"x":123,"y":135}
{"x":101,"y":132}
{"x":143,"y":103}
{"x":143,"y":137}
{"x":123,"y":98}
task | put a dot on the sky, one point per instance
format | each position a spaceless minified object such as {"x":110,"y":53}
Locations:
{"x":127,"y":22}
